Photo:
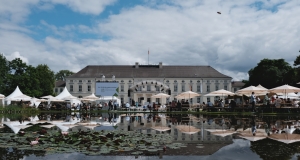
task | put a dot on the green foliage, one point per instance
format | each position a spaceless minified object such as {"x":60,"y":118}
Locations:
{"x":62,"y":74}
{"x":297,"y":61}
{"x":4,"y":70}
{"x":272,"y":73}
{"x":32,"y":81}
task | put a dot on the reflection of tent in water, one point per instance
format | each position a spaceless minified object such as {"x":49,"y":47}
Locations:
{"x":108,"y":121}
{"x":15,"y":126}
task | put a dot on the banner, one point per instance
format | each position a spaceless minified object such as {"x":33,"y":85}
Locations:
{"x":107,"y":89}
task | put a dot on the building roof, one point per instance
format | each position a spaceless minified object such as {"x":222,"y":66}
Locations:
{"x":146,"y":71}
{"x":237,"y":84}
{"x":60,"y":84}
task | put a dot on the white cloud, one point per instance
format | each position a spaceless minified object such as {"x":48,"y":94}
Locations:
{"x":16,"y":55}
{"x":176,"y":32}
{"x":85,"y":6}
{"x":15,"y":10}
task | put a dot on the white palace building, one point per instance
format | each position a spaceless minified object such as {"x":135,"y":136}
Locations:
{"x":139,"y":82}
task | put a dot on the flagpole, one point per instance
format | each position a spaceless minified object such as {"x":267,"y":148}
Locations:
{"x":148,"y":56}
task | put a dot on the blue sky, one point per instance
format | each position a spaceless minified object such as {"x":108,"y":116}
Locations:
{"x":70,"y":34}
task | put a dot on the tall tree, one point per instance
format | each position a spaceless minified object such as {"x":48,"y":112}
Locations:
{"x":62,"y":74}
{"x":16,"y":78}
{"x":272,"y":73}
{"x":4,"y":70}
{"x":297,"y":68}
{"x":32,"y":81}
{"x":46,"y":79}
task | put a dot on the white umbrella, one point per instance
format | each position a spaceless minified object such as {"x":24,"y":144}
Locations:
{"x":160,"y":95}
{"x":260,"y":86}
{"x":221,"y":92}
{"x":55,"y":100}
{"x":91,"y":97}
{"x":69,"y":97}
{"x":47,"y":97}
{"x":188,"y":94}
{"x":285,"y":89}
{"x":250,"y":89}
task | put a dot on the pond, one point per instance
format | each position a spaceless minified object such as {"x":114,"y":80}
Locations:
{"x":149,"y":136}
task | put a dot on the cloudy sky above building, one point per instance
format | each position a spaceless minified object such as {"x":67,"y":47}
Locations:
{"x":70,"y":34}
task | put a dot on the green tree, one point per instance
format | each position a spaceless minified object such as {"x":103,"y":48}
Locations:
{"x":62,"y":74}
{"x":46,"y":80}
{"x":16,"y":78}
{"x":297,"y":68}
{"x":272,"y":73}
{"x":4,"y":70}
{"x":32,"y":81}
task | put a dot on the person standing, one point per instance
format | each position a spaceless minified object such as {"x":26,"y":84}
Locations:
{"x":267,"y":101}
{"x":252,"y":101}
{"x":110,"y":105}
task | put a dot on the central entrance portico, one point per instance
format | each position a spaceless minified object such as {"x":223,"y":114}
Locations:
{"x":143,"y":90}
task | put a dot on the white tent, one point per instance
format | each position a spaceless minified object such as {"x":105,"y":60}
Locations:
{"x":15,"y":125}
{"x":2,"y":99}
{"x":35,"y":102}
{"x":16,"y":93}
{"x":64,"y":94}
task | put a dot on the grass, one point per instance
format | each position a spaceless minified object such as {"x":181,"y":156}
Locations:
{"x":17,"y":110}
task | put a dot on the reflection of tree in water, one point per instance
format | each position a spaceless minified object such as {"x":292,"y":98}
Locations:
{"x":13,"y":153}
{"x":271,"y":149}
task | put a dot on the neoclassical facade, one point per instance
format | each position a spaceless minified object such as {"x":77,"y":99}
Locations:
{"x":140,"y":82}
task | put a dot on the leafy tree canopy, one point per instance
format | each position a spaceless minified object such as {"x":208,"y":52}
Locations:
{"x":272,"y":73}
{"x":62,"y":74}
{"x":32,"y":81}
{"x":4,"y":70}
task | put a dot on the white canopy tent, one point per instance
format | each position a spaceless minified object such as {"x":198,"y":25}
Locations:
{"x":13,"y":96}
{"x":65,"y":94}
{"x":2,"y":99}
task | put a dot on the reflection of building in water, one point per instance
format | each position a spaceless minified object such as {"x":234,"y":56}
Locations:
{"x":146,"y":123}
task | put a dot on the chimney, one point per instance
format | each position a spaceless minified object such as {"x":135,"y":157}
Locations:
{"x":136,"y":64}
{"x":160,"y":64}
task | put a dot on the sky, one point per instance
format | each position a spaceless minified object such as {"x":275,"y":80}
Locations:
{"x":71,"y":34}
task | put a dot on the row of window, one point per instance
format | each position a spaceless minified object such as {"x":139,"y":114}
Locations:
{"x":199,"y":89}
{"x":167,"y":81}
{"x":89,"y":88}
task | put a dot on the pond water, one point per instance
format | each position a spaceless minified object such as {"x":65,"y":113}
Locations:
{"x":149,"y":136}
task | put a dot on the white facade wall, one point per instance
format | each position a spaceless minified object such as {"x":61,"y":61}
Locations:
{"x":86,"y":86}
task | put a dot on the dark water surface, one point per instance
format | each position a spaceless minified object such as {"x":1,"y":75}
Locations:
{"x":169,"y":136}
